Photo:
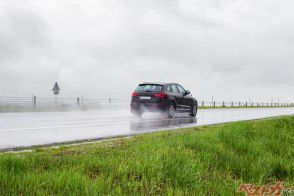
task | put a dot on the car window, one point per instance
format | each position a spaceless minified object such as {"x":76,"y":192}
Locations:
{"x":174,"y":88}
{"x":181,"y":89}
{"x":168,"y":89}
{"x":148,"y":87}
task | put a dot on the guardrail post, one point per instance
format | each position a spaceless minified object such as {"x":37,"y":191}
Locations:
{"x":78,"y":102}
{"x":109,"y":102}
{"x":246,"y":104}
{"x":223,"y":104}
{"x":239,"y":104}
{"x":214,"y":104}
{"x":202,"y":103}
{"x":35,"y":102}
{"x":232,"y":104}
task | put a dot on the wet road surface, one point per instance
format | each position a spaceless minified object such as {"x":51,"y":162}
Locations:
{"x":42,"y":128}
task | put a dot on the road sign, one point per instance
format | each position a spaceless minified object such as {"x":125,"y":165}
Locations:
{"x":56,"y":89}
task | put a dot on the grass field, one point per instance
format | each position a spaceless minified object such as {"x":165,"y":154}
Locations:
{"x":197,"y":161}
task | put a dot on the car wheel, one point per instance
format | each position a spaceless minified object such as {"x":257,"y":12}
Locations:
{"x":194,"y":110}
{"x":171,"y":111}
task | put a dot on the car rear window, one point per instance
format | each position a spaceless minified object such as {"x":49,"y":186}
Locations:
{"x":149,"y":88}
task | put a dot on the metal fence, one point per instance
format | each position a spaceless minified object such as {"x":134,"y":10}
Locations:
{"x":44,"y":103}
{"x":244,"y":104}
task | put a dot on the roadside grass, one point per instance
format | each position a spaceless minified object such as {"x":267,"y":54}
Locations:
{"x":211,"y":160}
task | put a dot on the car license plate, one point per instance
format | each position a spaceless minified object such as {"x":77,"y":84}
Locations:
{"x":144,"y":97}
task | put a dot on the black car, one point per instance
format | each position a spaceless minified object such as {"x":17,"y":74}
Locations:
{"x":163,"y":97}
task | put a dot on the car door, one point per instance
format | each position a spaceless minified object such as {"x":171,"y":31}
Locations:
{"x":187,"y":99}
{"x":178,"y":96}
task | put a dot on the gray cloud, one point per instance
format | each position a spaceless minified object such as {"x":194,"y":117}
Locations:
{"x":229,"y":49}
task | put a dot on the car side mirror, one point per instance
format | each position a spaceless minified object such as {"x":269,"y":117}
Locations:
{"x":187,"y":92}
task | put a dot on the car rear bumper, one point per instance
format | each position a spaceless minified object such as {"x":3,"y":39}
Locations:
{"x":152,"y":107}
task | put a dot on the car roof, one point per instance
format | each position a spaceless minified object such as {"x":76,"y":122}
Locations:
{"x":157,"y":83}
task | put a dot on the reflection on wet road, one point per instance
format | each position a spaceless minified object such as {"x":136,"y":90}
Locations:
{"x":40,"y":128}
{"x":143,"y":125}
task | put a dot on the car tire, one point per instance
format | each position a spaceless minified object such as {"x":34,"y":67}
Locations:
{"x":194,"y":110}
{"x":171,"y":111}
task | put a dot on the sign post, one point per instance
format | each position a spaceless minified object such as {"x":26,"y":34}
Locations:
{"x":56,"y":90}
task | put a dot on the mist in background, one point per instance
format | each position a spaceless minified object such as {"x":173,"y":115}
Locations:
{"x":229,"y":49}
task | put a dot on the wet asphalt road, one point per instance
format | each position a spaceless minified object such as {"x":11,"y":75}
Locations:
{"x":42,"y":128}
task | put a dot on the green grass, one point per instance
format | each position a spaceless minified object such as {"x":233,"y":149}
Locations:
{"x":197,"y":161}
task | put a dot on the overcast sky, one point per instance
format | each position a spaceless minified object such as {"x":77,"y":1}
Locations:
{"x":229,"y":49}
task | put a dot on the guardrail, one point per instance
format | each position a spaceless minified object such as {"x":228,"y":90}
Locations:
{"x":244,"y":104}
{"x":10,"y":103}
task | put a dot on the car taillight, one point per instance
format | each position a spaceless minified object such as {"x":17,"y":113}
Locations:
{"x":160,"y":95}
{"x":134,"y":94}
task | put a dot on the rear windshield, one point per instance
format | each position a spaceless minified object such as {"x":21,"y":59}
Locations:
{"x":148,"y":88}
